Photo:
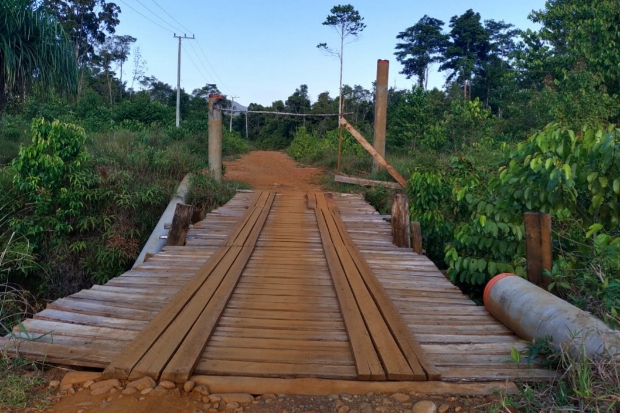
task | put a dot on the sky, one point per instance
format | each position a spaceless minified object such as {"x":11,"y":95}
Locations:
{"x":261,"y":51}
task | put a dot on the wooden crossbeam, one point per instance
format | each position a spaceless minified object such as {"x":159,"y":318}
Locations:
{"x":150,"y":352}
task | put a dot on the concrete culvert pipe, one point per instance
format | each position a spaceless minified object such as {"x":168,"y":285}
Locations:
{"x":533,"y":313}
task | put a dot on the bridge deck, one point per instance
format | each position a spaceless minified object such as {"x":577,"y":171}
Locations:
{"x":285,"y":314}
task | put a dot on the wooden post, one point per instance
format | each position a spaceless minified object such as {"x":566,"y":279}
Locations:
{"x":180,"y":225}
{"x":416,"y":235}
{"x":538,"y":245}
{"x":400,"y":221}
{"x":381,"y":89}
{"x":215,"y":136}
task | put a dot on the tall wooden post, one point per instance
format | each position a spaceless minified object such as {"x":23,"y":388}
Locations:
{"x":383,"y":67}
{"x":180,"y":225}
{"x":416,"y":237}
{"x":538,"y":245}
{"x":400,"y":221}
{"x":215,"y":136}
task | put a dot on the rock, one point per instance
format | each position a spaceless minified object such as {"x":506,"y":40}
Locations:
{"x":236,"y":397}
{"x":87,"y":384}
{"x":54,"y":384}
{"x":188,"y":386}
{"x":443,"y":408}
{"x":114,"y":390}
{"x":197,"y":410}
{"x":71,"y":391}
{"x":100,"y":390}
{"x":339,"y":404}
{"x":333,"y":397}
{"x":370,"y":394}
{"x":458,"y":409}
{"x":105,"y":383}
{"x":365,"y":408}
{"x":344,"y":409}
{"x":79,"y":377}
{"x":65,"y":387}
{"x":214,"y":398}
{"x":141,"y":398}
{"x":269,"y":396}
{"x":177,"y":392}
{"x":158,"y":391}
{"x":206,"y":406}
{"x":146,"y":391}
{"x":141,"y":384}
{"x":80,"y":411}
{"x":345,"y":397}
{"x":425,"y":406}
{"x":130,"y":390}
{"x":201,"y":390}
{"x":104,"y":405}
{"x":231,"y":406}
{"x":168,"y":385}
{"x":400,"y":397}
{"x":84,"y":404}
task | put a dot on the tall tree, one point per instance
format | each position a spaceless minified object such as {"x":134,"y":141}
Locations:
{"x":34,"y":50}
{"x":423,"y":45}
{"x":86,"y":22}
{"x":348,"y":23}
{"x":469,"y":43}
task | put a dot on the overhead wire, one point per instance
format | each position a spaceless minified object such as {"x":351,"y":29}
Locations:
{"x":169,"y":15}
{"x":192,"y":60}
{"x":156,"y":15}
{"x":166,"y":29}
{"x":203,"y":65}
{"x":218,"y":77}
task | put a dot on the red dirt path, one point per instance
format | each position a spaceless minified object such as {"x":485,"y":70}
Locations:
{"x":273,"y":170}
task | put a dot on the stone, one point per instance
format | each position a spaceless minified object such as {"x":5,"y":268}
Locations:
{"x":168,"y":385}
{"x":88,"y":383}
{"x":370,"y":394}
{"x":80,"y":411}
{"x":214,"y":398}
{"x":339,"y":404}
{"x":141,"y":384}
{"x":65,"y":387}
{"x":101,"y":390}
{"x":79,"y":377}
{"x":344,"y":409}
{"x":201,"y":390}
{"x":400,"y":397}
{"x":188,"y":386}
{"x":158,"y":391}
{"x":130,"y":390}
{"x":146,"y":391}
{"x":106,"y":383}
{"x":458,"y":409}
{"x":84,"y":404}
{"x":425,"y":406}
{"x":206,"y":406}
{"x":269,"y":396}
{"x":346,"y":397}
{"x":365,"y":408}
{"x":54,"y":384}
{"x":114,"y":390}
{"x":236,"y":397}
{"x":231,"y":406}
{"x":177,"y":392}
{"x":104,"y":405}
{"x":443,"y":408}
{"x":71,"y":391}
{"x":333,"y":397}
{"x":197,"y":410}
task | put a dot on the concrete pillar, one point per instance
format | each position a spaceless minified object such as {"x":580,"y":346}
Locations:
{"x":383,"y":67}
{"x":215,"y":136}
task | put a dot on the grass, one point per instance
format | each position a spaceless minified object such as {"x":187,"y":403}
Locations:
{"x":22,"y":384}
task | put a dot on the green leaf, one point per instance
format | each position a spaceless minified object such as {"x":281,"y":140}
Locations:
{"x":567,"y":170}
{"x":617,"y":186}
{"x":593,"y":228}
{"x":592,"y":176}
{"x":603,"y":181}
{"x":492,"y":267}
{"x":483,"y":220}
{"x":515,"y":355}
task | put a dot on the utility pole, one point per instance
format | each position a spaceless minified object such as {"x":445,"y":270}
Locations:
{"x":232,"y":107}
{"x":179,"y":77}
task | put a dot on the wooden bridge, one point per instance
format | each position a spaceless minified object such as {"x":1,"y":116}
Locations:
{"x":279,"y":285}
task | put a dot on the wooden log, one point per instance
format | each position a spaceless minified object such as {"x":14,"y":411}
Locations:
{"x":400,"y":221}
{"x":180,"y":225}
{"x":365,"y":182}
{"x":538,"y":245}
{"x":358,"y":136}
{"x":416,"y":235}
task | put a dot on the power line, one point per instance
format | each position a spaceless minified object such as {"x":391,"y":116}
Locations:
{"x":203,"y":65}
{"x":168,"y":30}
{"x":156,"y":15}
{"x":169,"y":15}
{"x":192,"y":60}
{"x":205,"y":55}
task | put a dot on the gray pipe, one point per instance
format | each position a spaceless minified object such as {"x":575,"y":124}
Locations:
{"x":154,"y":243}
{"x":533,"y":313}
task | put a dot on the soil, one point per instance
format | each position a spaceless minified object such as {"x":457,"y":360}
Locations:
{"x":273,"y":170}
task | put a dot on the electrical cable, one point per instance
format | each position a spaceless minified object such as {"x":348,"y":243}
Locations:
{"x":169,"y":15}
{"x":156,"y":15}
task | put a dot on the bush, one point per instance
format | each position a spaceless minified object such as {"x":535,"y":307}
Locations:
{"x":205,"y":193}
{"x":233,"y":143}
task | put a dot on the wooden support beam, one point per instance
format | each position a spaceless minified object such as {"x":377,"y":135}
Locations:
{"x":358,"y":136}
{"x":400,"y":221}
{"x":538,"y":245}
{"x":365,"y":182}
{"x":416,"y":237}
{"x":180,"y":225}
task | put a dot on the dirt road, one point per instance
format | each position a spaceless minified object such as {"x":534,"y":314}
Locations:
{"x":273,"y":170}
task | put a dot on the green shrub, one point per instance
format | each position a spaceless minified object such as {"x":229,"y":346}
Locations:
{"x":307,"y":147}
{"x":233,"y":143}
{"x":205,"y":193}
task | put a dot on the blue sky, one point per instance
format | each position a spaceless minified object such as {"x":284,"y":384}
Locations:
{"x":262,"y":50}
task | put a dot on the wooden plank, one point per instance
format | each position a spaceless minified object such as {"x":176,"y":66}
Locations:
{"x":248,"y":368}
{"x":400,"y":221}
{"x":294,"y":356}
{"x":407,"y":343}
{"x":365,"y":182}
{"x":416,"y":237}
{"x":180,"y":224}
{"x":319,"y":387}
{"x":538,"y":243}
{"x":366,"y":358}
{"x":371,"y":150}
{"x":184,"y":360}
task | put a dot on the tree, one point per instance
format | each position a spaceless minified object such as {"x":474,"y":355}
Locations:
{"x":469,"y":44}
{"x":34,"y":50}
{"x":423,"y":45}
{"x":86,"y":22}
{"x":121,"y":48}
{"x":347,"y":22}
{"x":139,"y":67}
